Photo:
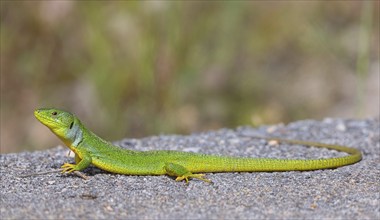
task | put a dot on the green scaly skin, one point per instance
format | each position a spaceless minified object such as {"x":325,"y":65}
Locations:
{"x":91,"y":149}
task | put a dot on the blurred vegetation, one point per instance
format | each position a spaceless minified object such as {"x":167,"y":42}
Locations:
{"x":132,"y":69}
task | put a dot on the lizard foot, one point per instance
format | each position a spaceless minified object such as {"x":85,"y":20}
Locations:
{"x":191,"y":175}
{"x":68,"y":168}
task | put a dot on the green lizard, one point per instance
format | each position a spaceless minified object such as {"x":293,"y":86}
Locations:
{"x":91,"y":149}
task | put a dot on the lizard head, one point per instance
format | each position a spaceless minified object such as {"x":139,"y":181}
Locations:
{"x":58,"y":121}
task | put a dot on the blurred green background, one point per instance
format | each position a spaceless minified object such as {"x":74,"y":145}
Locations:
{"x":134,"y":69}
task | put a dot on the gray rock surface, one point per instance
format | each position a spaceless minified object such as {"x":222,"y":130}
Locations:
{"x":350,"y":192}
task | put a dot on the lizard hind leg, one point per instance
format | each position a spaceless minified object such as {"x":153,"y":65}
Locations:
{"x":182,"y":173}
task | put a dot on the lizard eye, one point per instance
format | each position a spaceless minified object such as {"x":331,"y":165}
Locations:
{"x":71,"y":125}
{"x":54,"y":113}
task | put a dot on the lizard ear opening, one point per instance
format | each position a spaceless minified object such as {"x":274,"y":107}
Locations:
{"x":71,"y":125}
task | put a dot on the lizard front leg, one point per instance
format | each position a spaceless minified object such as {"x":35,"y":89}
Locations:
{"x":81,"y":164}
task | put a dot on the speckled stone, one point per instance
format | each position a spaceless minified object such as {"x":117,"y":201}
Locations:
{"x":350,"y":192}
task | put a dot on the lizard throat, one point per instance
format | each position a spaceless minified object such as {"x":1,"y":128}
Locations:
{"x":74,"y":137}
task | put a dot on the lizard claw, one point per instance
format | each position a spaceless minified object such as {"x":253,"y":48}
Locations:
{"x":68,"y":168}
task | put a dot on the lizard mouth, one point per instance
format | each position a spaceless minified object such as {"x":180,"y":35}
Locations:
{"x":48,"y":121}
